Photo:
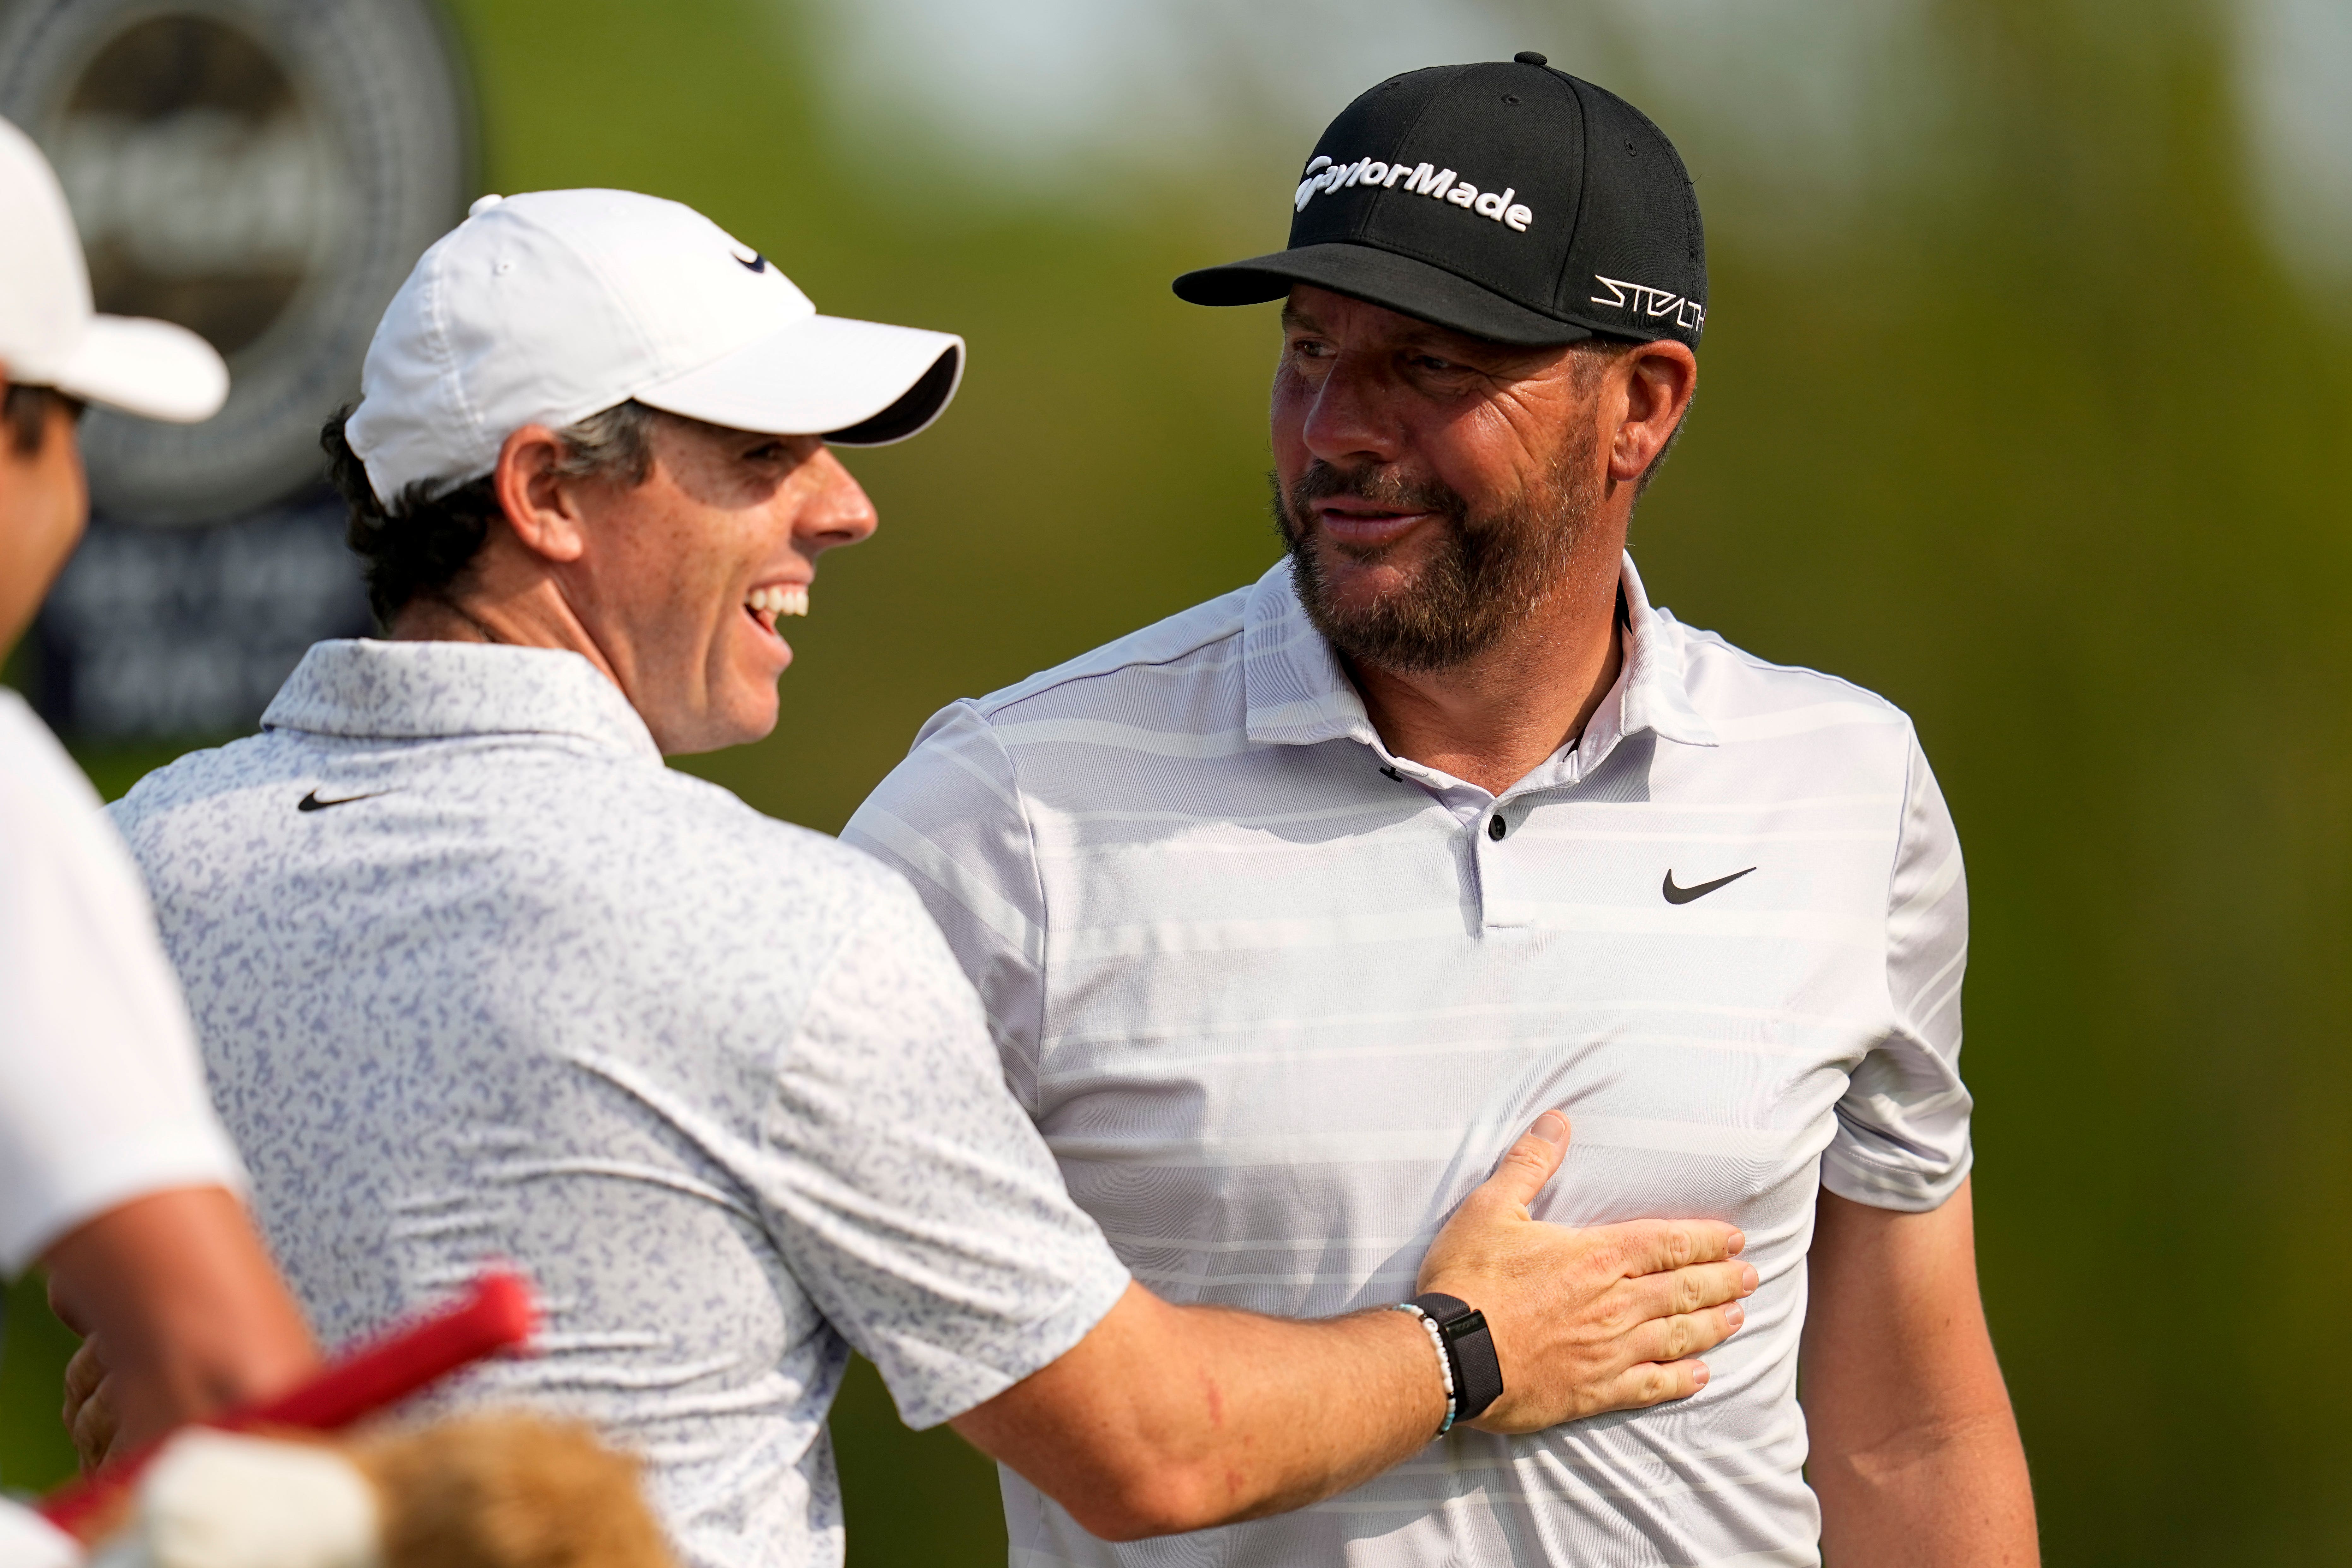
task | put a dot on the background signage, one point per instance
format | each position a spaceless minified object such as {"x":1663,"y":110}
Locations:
{"x":263,"y":172}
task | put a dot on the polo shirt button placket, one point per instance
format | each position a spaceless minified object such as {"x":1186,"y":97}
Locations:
{"x":1480,"y":824}
{"x":1509,"y":888}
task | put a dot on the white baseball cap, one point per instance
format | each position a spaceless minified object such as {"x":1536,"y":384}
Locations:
{"x":545,"y":308}
{"x":49,"y":334}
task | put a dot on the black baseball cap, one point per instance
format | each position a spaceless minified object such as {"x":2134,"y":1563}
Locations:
{"x":1506,"y":199}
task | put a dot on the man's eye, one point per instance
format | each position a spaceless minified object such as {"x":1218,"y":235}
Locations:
{"x":768,"y":452}
{"x":1430,"y":361}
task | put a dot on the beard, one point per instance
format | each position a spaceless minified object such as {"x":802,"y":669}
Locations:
{"x":1485,"y":572}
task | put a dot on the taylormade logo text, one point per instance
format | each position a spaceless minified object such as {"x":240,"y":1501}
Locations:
{"x":1422,"y":180}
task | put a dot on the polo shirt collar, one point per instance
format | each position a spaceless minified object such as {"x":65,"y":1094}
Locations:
{"x":362,"y":688}
{"x":1298,"y":695}
{"x":1656,"y":696}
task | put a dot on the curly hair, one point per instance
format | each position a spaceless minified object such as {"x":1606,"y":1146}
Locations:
{"x":422,"y":544}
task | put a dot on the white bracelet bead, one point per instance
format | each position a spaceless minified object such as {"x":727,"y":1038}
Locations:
{"x":1445,"y":1361}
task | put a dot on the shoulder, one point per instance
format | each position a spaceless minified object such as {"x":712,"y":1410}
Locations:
{"x":651,"y":847}
{"x":954,"y":808}
{"x":190,"y":780}
{"x":38,"y":780}
{"x":578,"y":827}
{"x":1744,"y":697}
{"x":758,"y":911}
{"x":53,"y":828}
{"x":730,"y":839}
{"x":1197,"y":641}
{"x":1165,"y":677}
{"x":670,"y":874}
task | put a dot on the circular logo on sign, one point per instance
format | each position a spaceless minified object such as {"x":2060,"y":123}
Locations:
{"x":265,"y":172}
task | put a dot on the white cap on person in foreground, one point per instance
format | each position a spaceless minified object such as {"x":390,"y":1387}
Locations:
{"x":50,"y":335}
{"x":545,"y":308}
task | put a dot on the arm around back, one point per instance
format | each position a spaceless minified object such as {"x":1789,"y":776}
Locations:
{"x":183,"y":1308}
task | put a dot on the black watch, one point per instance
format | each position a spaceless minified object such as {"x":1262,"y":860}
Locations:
{"x":1469,"y":1349}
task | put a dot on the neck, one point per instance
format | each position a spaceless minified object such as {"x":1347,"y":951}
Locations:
{"x":1491,"y":719}
{"x":503,"y":601}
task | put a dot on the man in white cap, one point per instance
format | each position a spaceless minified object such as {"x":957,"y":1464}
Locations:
{"x":477,"y":976}
{"x":113,"y":1172}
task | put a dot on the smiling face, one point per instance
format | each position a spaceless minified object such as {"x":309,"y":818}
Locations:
{"x":680,"y":580}
{"x":1434,"y":489}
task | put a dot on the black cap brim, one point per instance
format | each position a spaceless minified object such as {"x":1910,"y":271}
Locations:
{"x":1403,"y":283}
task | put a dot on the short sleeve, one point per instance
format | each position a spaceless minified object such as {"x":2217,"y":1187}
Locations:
{"x":949,"y":819}
{"x":1903,"y":1125}
{"x":911,"y":1198}
{"x":103,"y":1097}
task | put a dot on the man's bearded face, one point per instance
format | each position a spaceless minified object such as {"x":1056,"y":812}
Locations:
{"x":1487,"y":571}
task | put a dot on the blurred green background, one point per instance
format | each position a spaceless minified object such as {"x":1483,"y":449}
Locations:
{"x":2025,"y":402}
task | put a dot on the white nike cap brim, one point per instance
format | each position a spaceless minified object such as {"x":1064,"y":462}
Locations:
{"x":857,"y":384}
{"x":152,"y":369}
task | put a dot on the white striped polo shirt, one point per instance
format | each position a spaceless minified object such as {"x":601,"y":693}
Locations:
{"x":1279,"y":998}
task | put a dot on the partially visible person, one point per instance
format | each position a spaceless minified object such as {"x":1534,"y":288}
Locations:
{"x":114,"y":1173}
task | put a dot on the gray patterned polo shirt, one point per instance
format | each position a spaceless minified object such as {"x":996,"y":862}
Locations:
{"x":476,"y":977}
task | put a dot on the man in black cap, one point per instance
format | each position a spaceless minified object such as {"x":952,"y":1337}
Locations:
{"x":1291,"y":909}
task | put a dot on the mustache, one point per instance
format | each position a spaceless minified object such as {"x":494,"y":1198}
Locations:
{"x":1383,"y":488}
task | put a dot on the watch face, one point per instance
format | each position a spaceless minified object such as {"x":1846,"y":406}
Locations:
{"x":263,"y":172}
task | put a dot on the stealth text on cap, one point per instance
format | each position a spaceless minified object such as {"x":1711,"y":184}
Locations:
{"x":1422,"y":180}
{"x":1641,"y":300}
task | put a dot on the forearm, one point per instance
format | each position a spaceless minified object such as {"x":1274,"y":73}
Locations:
{"x":1218,"y":1416}
{"x":1915,"y":1450}
{"x":1289,"y":1413}
{"x":1165,"y":1418}
{"x":1948,"y":1493}
{"x":182,"y":1299}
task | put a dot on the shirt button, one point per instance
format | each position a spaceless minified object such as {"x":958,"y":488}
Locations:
{"x":1495,"y":828}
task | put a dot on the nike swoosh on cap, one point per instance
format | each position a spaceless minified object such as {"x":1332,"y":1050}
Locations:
{"x":1685,"y":895}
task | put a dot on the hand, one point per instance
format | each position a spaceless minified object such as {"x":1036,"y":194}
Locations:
{"x":1585,"y":1319}
{"x":179,"y":1293}
{"x":92,"y":1420}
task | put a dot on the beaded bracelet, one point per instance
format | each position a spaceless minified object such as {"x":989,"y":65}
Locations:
{"x":1445,"y":1358}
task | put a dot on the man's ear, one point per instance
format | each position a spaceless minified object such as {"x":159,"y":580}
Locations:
{"x":538,"y":502}
{"x":1658,"y":380}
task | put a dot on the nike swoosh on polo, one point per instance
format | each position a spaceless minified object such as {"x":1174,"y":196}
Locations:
{"x":1685,"y":895}
{"x":312,"y":803}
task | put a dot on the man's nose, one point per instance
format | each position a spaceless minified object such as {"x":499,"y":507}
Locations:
{"x":1351,"y":419}
{"x":839,"y":512}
